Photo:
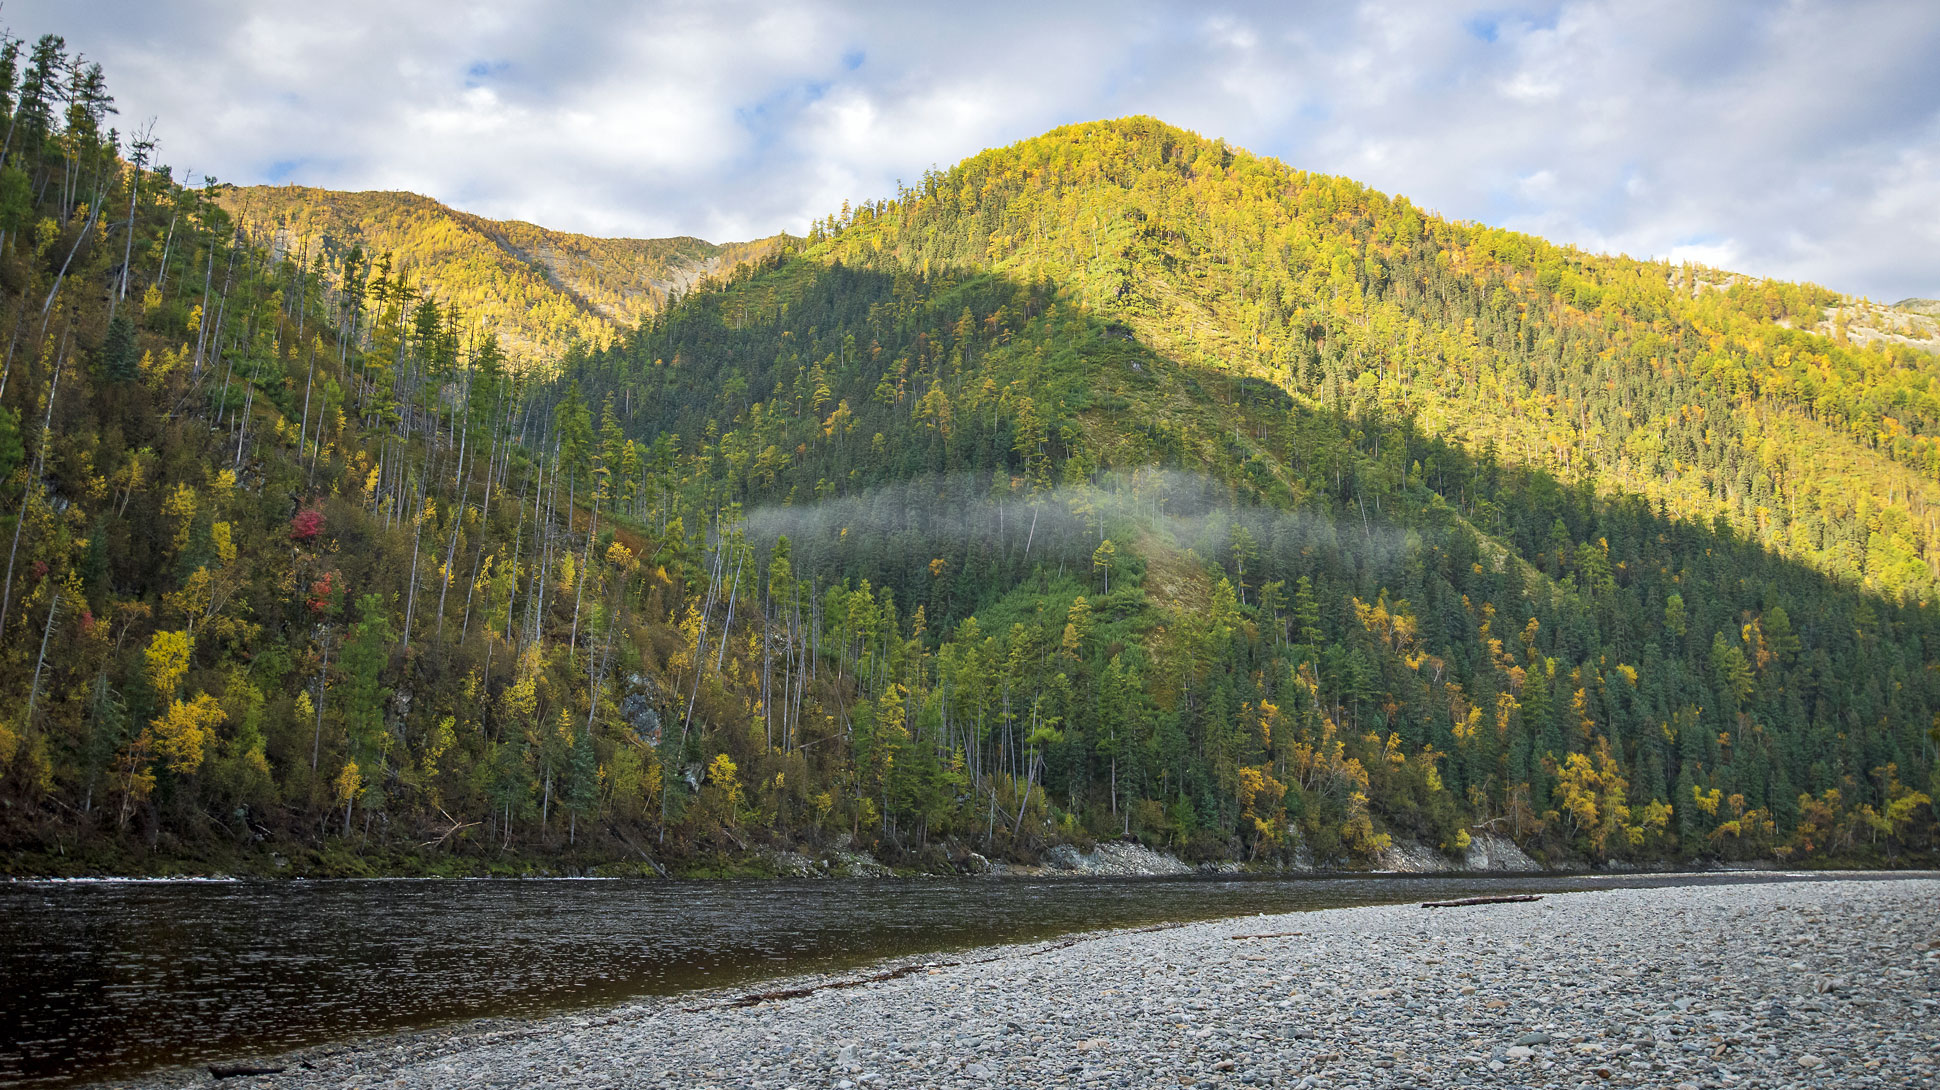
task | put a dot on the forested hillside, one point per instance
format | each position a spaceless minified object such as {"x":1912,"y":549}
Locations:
{"x":1683,"y":385}
{"x":1406,"y":584}
{"x":539,"y":291}
{"x":1113,"y":484}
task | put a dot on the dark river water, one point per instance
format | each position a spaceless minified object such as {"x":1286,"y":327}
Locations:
{"x":109,"y":978}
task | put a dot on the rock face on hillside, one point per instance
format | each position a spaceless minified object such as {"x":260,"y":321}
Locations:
{"x":1410,"y":857}
{"x":1489,"y":852}
{"x":1106,"y":860}
{"x":1486,"y":852}
{"x":840,"y":863}
{"x":1909,"y":322}
{"x":1113,"y":859}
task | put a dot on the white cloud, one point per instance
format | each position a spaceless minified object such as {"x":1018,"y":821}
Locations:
{"x":1790,"y":140}
{"x":1718,"y":255}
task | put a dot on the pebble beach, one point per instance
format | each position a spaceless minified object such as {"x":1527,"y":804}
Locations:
{"x":1810,"y":984}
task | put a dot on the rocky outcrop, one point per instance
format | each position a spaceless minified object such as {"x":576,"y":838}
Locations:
{"x":1410,"y":857}
{"x":1489,"y":852}
{"x":1494,"y":852}
{"x":797,"y":865}
{"x":1112,"y":859}
{"x":1118,"y":859}
{"x":846,"y":864}
{"x":839,"y":863}
{"x":637,"y":708}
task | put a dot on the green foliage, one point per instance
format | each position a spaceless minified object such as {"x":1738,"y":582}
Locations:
{"x":1115,"y":483}
{"x":118,"y":357}
{"x":364,"y":694}
{"x":11,"y":450}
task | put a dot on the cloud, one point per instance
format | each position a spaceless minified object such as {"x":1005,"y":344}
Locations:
{"x":1790,"y":140}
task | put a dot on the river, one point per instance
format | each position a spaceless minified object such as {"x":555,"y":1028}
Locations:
{"x":107,"y":978}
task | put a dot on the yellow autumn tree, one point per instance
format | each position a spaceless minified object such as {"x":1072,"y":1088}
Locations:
{"x":724,"y":788}
{"x":167,"y":660}
{"x":1593,"y":794}
{"x":179,"y":506}
{"x":180,"y":737}
{"x":350,"y":784}
{"x":183,"y":733}
{"x":520,"y":701}
{"x":1260,"y":799}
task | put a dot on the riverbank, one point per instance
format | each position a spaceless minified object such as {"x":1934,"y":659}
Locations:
{"x":1100,"y":859}
{"x":1823,"y":983}
{"x":1485,"y":853}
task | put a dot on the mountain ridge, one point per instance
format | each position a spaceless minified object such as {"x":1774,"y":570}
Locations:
{"x":540,"y":290}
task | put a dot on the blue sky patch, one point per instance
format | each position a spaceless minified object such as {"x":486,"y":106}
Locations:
{"x":478,"y":72}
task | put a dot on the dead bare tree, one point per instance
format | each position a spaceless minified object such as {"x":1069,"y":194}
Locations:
{"x":141,"y":148}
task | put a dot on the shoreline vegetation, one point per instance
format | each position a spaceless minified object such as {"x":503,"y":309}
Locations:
{"x":1486,"y":854}
{"x":1815,"y":983}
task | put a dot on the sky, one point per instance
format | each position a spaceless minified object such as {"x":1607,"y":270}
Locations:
{"x":1797,"y":140}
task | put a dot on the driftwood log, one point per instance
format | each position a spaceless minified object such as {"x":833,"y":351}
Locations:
{"x":1467,"y":901}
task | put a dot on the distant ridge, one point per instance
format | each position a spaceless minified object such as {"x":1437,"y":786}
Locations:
{"x":540,"y":290}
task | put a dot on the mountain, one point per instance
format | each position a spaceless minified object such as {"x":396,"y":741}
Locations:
{"x":1116,"y":483}
{"x":1441,"y":513}
{"x":1687,"y":386}
{"x":539,"y":290}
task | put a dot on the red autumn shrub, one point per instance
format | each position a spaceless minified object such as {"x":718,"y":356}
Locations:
{"x":307,"y":524}
{"x":323,"y":592}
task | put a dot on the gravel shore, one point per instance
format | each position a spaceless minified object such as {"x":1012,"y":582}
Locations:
{"x":1831,"y":983}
